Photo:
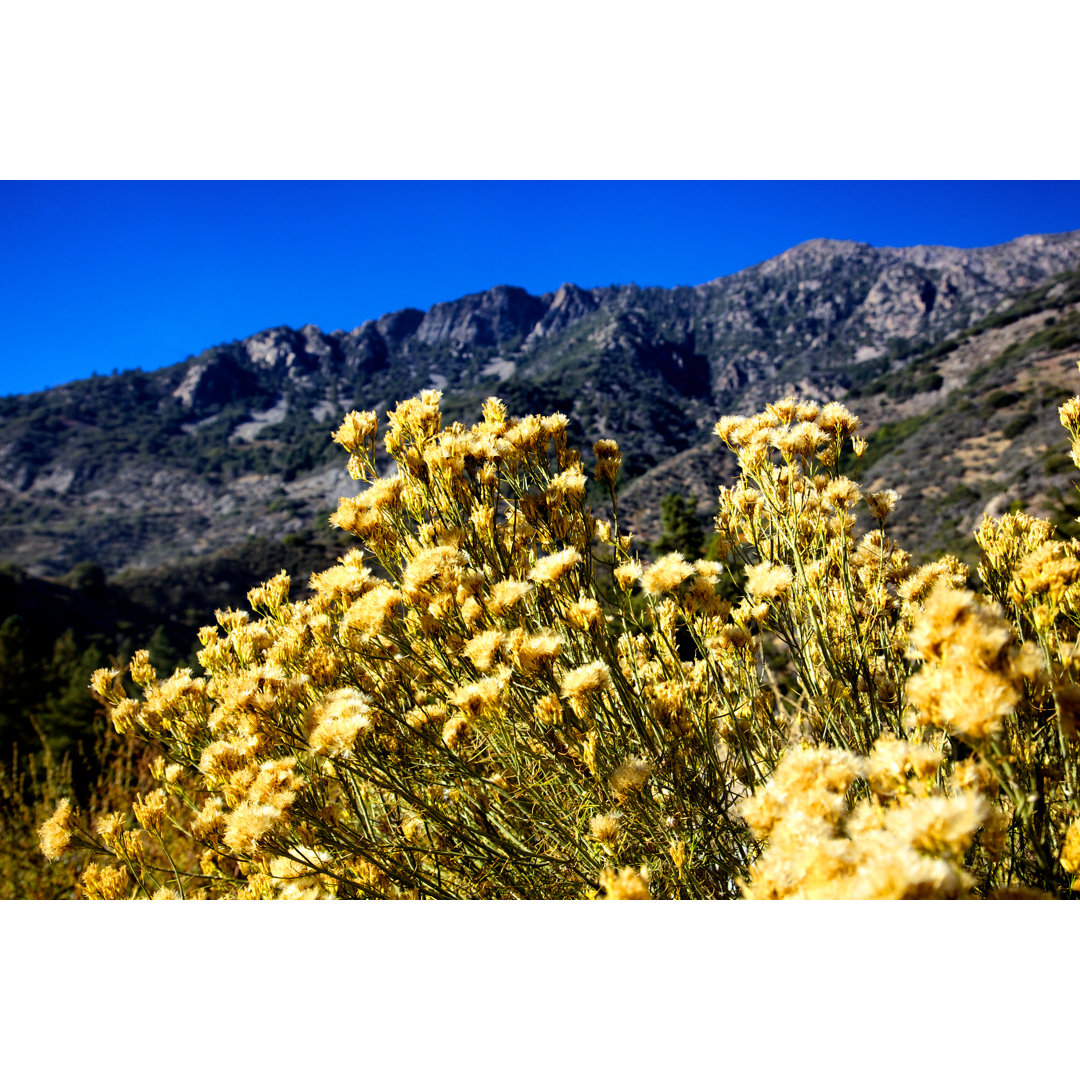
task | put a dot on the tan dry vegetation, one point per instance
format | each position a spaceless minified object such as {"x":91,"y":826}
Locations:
{"x":992,"y":444}
{"x":958,"y":366}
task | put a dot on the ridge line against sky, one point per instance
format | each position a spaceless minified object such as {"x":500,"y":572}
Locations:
{"x":97,"y":276}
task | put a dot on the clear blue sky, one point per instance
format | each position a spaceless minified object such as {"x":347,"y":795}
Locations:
{"x":97,"y":276}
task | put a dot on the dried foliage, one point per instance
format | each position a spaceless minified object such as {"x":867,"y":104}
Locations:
{"x":493,"y":697}
{"x":33,"y":784}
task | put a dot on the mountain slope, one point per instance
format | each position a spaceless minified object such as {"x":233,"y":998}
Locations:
{"x":142,"y":468}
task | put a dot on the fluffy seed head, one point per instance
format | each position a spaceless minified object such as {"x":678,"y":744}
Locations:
{"x":768,"y":579}
{"x":506,"y":594}
{"x":54,"y":833}
{"x":150,"y":811}
{"x":882,"y":503}
{"x":630,"y":776}
{"x":355,"y":430}
{"x":483,"y":648}
{"x":604,"y":828}
{"x":248,"y":824}
{"x":550,"y":568}
{"x":627,"y":573}
{"x":104,"y":882}
{"x":337,"y":721}
{"x":590,"y":678}
{"x":666,"y":574}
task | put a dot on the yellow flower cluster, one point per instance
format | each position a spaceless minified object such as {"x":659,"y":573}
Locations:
{"x":838,"y":603}
{"x":973,"y":674}
{"x":495,"y":695}
{"x":904,"y":843}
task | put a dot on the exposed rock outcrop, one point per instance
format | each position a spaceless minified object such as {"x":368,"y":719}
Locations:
{"x":482,"y":319}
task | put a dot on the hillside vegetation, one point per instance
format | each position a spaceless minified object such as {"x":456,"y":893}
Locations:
{"x":138,"y":469}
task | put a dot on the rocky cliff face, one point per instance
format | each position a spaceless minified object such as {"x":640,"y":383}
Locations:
{"x":484,"y":320}
{"x":568,"y":306}
{"x":809,"y":318}
{"x":143,"y":467}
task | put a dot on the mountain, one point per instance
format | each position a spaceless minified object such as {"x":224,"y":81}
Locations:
{"x":140,"y":469}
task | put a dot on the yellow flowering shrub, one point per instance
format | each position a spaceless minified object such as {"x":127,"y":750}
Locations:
{"x":492,"y":696}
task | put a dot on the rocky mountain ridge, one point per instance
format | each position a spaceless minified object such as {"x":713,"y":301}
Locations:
{"x":142,"y":468}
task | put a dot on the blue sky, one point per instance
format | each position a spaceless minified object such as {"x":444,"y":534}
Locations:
{"x":96,"y":276}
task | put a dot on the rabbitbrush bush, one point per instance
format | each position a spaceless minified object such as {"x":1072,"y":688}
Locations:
{"x":493,"y":697}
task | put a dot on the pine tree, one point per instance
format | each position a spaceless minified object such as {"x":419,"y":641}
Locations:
{"x":680,"y":528}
